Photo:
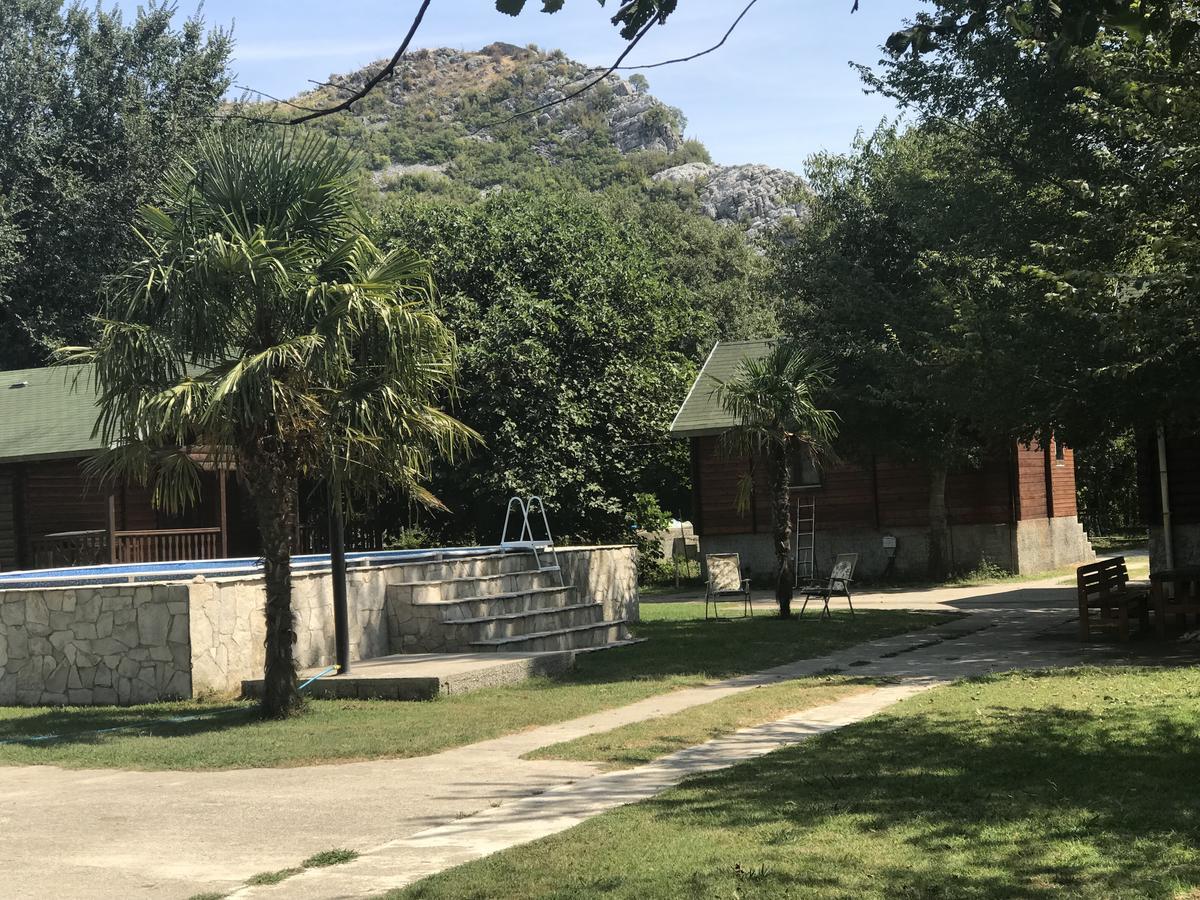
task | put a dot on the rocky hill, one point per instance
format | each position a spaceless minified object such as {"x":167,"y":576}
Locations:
{"x":443,"y":124}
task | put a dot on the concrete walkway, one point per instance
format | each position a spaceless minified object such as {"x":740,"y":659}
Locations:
{"x":173,"y":834}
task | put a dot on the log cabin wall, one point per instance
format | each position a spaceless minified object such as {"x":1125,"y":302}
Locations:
{"x":8,"y":524}
{"x":1045,"y":481}
{"x":879,"y":496}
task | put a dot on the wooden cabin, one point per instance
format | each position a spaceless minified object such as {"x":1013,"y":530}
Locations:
{"x":1016,"y":510}
{"x":53,"y":514}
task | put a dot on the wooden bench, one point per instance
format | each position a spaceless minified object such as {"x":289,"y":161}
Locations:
{"x":1104,"y":587}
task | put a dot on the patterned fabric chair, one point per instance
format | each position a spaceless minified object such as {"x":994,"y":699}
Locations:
{"x":725,"y":580}
{"x":838,"y":586}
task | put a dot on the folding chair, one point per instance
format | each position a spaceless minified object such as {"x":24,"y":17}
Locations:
{"x":838,"y":586}
{"x":725,"y":580}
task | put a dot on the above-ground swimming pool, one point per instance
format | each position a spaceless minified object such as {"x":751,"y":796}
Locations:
{"x":186,"y":570}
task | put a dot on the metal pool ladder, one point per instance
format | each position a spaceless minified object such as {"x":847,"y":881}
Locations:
{"x":544,"y":552}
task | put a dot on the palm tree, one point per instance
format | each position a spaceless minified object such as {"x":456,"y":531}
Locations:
{"x":262,"y":326}
{"x":777,"y":419}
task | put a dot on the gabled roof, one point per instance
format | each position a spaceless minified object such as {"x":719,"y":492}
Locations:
{"x":701,"y":413}
{"x":47,"y":413}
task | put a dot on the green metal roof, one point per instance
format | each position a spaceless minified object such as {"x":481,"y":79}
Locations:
{"x":701,"y":413}
{"x":47,"y":413}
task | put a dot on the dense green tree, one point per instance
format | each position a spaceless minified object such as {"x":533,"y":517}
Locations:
{"x":572,"y":362}
{"x":774,"y":402}
{"x":891,"y":275}
{"x":261,"y":324}
{"x":94,"y":109}
{"x":1092,"y":108}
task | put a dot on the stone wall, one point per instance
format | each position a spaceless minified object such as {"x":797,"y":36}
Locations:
{"x":1046,"y":544}
{"x":1185,"y":547}
{"x":970,"y":545}
{"x":1039,"y":546}
{"x":228,"y":628}
{"x":100,"y":645}
{"x":138,"y":643}
{"x":604,"y":573}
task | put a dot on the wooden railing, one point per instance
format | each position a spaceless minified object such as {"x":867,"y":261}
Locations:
{"x":70,"y":548}
{"x":163,"y":545}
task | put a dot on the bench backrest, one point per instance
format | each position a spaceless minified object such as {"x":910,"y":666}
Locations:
{"x":725,"y":572}
{"x":1099,"y":579}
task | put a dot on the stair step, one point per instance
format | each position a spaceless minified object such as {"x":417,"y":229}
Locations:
{"x":575,"y":637}
{"x":469,"y":587}
{"x":532,"y":593}
{"x":527,"y":613}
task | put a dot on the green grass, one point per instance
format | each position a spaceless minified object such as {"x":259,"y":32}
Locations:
{"x":272,"y":877}
{"x":641,"y":742}
{"x":682,"y":650}
{"x":329,"y":858}
{"x":1080,"y":783}
{"x":1110,"y":543}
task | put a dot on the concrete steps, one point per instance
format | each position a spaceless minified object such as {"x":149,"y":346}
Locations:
{"x":472,"y":586}
{"x":598,"y":634}
{"x":493,"y":604}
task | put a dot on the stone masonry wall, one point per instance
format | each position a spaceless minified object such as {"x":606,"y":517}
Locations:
{"x":604,"y":573}
{"x":102,"y":645}
{"x":228,"y":628}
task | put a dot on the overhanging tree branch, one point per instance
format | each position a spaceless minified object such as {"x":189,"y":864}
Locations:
{"x":683,"y":59}
{"x":370,"y":83}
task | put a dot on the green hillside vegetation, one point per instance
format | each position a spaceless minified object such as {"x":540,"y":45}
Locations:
{"x":583,"y":293}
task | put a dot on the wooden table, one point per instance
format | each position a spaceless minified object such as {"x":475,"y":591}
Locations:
{"x":1185,"y":599}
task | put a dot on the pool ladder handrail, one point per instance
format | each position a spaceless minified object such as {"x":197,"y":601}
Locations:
{"x":540,"y":547}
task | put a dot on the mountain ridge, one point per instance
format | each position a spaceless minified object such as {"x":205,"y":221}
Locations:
{"x":450,"y":105}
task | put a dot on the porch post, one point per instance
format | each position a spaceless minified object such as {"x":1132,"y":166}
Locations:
{"x":337,"y":574}
{"x":112,"y":526}
{"x":221,"y":476}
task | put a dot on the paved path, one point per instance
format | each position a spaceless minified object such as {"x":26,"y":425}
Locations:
{"x":90,"y":834}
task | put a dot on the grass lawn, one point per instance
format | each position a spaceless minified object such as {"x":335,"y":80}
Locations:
{"x":641,"y":742}
{"x":682,"y":650}
{"x":1078,"y":783}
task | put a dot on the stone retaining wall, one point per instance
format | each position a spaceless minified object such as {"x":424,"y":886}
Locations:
{"x":114,"y":644}
{"x":138,"y":643}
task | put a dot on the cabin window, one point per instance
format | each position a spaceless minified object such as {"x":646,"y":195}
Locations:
{"x":1060,"y":454}
{"x":802,"y":471}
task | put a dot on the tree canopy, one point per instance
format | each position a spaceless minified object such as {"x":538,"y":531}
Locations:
{"x":262,"y":329}
{"x":95,"y":109}
{"x":572,"y":362}
{"x":1092,"y":110}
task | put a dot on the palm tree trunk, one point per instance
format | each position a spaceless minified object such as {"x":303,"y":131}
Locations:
{"x":939,"y":525}
{"x":274,"y":502}
{"x":781,"y":526}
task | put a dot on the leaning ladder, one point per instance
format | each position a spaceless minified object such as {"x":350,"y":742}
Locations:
{"x":543,"y":549}
{"x":805,"y":536}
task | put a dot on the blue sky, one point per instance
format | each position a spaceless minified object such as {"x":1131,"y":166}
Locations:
{"x":780,"y":89}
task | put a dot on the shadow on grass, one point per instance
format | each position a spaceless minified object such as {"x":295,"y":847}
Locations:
{"x":994,"y":801}
{"x":94,"y":725}
{"x":730,"y":647}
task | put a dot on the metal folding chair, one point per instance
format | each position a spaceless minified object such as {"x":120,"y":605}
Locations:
{"x":725,"y":580}
{"x":838,"y":585}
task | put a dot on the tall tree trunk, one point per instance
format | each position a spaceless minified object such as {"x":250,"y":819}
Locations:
{"x":781,"y":526}
{"x":274,"y":502}
{"x":939,"y":525}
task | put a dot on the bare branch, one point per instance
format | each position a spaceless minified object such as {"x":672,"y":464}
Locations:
{"x":370,"y":83}
{"x":587,"y":87}
{"x":683,"y":59}
{"x":250,"y":90}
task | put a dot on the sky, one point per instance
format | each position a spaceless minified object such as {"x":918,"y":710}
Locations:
{"x":779,"y":90}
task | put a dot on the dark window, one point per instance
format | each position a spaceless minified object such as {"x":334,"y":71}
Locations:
{"x":1060,"y":454}
{"x":802,"y":471}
